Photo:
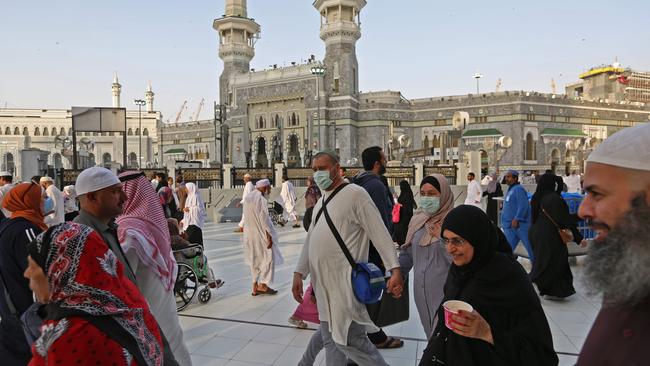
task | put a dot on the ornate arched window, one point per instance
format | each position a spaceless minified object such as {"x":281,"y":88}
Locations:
{"x":25,"y":131}
{"x":37,"y":131}
{"x":145,"y":132}
{"x":7,"y":131}
{"x":46,"y":132}
{"x":62,"y":131}
{"x":129,"y":132}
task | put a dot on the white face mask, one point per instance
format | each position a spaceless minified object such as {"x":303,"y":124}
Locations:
{"x":430,"y":205}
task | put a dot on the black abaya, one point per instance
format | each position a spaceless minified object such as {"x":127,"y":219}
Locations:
{"x":492,"y":205}
{"x":551,"y":271}
{"x":499,"y":289}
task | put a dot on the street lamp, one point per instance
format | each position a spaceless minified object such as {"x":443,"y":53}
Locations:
{"x":477,"y":76}
{"x":318,"y":71}
{"x":140,"y":103}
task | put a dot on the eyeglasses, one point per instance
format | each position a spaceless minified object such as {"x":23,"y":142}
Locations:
{"x":455,"y":242}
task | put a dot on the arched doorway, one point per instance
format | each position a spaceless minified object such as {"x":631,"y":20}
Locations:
{"x":485,"y":163}
{"x":530,"y":147}
{"x":133,"y":161}
{"x":91,"y":160}
{"x":568,"y":163}
{"x":294,"y":151}
{"x":555,"y":159}
{"x":261,"y":160}
{"x":106,"y":160}
{"x":8,"y":163}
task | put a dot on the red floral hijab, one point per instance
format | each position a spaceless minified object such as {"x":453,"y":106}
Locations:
{"x":87,"y":283}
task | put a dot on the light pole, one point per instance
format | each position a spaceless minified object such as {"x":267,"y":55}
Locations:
{"x":140,"y":103}
{"x":477,"y":76}
{"x":318,"y":71}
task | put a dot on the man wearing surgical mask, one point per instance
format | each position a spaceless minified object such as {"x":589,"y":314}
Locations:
{"x":344,"y":320}
{"x":424,"y":252}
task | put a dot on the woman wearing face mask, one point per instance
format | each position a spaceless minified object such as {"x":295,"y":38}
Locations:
{"x":25,"y":202}
{"x":421,"y":251}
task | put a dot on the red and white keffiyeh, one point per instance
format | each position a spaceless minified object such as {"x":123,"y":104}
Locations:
{"x":143,"y":213}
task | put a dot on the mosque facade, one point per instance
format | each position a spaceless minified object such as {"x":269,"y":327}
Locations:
{"x":285,"y":114}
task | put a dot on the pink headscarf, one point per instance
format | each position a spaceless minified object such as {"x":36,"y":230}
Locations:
{"x":144,"y":214}
{"x":432,"y":223}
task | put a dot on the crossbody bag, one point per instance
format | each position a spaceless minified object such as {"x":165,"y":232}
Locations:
{"x":368,"y":282}
{"x":565,"y":234}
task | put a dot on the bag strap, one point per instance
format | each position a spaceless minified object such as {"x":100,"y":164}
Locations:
{"x":550,"y":218}
{"x":326,"y":201}
{"x":339,"y":240}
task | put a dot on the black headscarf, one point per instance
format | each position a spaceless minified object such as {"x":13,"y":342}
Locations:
{"x":498,"y":288}
{"x":406,"y":194}
{"x":473,"y":225}
{"x":548,"y":184}
{"x":431,"y":180}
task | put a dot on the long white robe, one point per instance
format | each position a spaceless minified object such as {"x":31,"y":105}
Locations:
{"x":288,"y":195}
{"x":474,"y":194}
{"x":257,"y":223}
{"x":248,"y":188}
{"x":358,"y":221}
{"x":58,"y":216}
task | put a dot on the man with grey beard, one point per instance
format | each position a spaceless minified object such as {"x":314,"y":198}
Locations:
{"x":617,"y":206}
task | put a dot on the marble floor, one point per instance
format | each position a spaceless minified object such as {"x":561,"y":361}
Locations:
{"x":234,"y":328}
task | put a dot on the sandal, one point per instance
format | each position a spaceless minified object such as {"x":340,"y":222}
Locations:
{"x":268,"y":291}
{"x":390,"y":342}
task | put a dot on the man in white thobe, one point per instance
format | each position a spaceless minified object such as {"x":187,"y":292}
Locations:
{"x":248,"y":188}
{"x":288,"y":195}
{"x":474,"y":192}
{"x":6,"y":184}
{"x":261,"y":250}
{"x":344,"y":320}
{"x":58,"y":208}
{"x":573,"y":182}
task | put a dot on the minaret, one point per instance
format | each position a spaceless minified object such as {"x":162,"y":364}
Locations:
{"x":148,"y":96}
{"x":117,"y":89}
{"x":237,"y":36}
{"x":340,"y":29}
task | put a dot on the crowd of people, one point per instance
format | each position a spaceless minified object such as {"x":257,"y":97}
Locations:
{"x":88,"y":272}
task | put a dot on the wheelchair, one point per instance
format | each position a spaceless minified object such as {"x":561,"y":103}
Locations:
{"x":192,"y":274}
{"x":275,"y":212}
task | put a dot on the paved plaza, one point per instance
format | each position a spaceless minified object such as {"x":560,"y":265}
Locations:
{"x":235,"y":328}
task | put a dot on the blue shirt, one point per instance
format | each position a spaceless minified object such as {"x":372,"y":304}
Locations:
{"x":515,"y":206}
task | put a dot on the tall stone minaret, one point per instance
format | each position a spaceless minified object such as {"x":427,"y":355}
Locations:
{"x":117,"y":89}
{"x":340,"y":29}
{"x":237,"y":36}
{"x":148,"y":96}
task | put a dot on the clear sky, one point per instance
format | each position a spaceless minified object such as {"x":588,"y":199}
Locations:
{"x":55,"y":54}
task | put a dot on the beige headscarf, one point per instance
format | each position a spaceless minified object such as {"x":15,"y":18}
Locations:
{"x":432,"y":223}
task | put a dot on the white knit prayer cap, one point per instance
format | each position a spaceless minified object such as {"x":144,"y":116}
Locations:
{"x":628,"y":148}
{"x":94,"y":179}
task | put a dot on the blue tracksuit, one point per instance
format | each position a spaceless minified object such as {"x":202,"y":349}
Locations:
{"x":516,"y":206}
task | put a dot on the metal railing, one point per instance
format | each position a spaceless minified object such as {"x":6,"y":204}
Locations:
{"x":256,"y":174}
{"x":203,"y":177}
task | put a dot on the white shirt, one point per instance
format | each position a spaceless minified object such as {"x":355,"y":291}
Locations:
{"x":248,"y":188}
{"x":4,"y":190}
{"x":474,"y":194}
{"x":58,"y":216}
{"x":573,"y":183}
{"x":162,"y":303}
{"x":358,"y":221}
{"x":288,"y":195}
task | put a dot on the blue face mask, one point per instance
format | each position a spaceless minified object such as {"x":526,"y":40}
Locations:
{"x":430,"y":205}
{"x":48,"y":205}
{"x":322,"y":179}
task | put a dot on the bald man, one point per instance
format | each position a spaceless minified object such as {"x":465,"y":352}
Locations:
{"x":617,"y":206}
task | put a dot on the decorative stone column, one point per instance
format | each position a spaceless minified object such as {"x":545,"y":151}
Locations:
{"x":279,"y":169}
{"x":269,"y":156}
{"x":419,"y":173}
{"x":227,"y":176}
{"x":302,"y":157}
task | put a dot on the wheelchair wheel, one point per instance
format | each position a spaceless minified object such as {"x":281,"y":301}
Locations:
{"x":185,"y":287}
{"x":204,"y":295}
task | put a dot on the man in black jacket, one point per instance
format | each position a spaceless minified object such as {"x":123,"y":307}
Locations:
{"x":374,"y":165}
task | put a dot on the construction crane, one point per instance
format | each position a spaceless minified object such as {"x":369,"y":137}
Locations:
{"x":198,"y":110}
{"x":178,"y":116}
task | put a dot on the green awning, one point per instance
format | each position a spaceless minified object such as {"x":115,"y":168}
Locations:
{"x":562,"y":132}
{"x":488,"y":132}
{"x":176,"y":151}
